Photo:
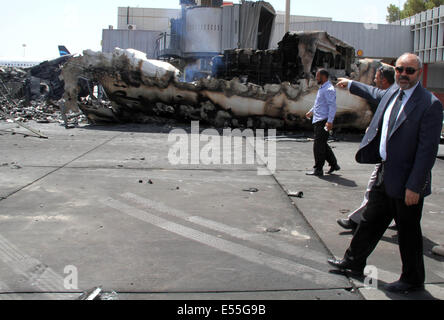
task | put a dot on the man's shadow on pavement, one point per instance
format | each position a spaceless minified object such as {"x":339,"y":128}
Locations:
{"x":427,"y":246}
{"x":360,"y":280}
{"x":334,"y":178}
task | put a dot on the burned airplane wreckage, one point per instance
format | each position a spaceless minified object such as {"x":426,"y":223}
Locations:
{"x":249,"y":88}
{"x":32,"y":93}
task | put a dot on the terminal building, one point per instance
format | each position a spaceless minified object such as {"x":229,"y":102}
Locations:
{"x":427,"y":29}
{"x":201,"y":29}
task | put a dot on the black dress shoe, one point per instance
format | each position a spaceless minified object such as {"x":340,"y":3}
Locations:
{"x":316,"y":172}
{"x":403,"y":287}
{"x":334,"y":168}
{"x":346,"y":265}
{"x":348,"y":224}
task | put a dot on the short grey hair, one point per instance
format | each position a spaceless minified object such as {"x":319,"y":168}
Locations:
{"x":418,"y":59}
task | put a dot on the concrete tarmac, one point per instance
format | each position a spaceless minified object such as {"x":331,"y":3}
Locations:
{"x":104,"y":206}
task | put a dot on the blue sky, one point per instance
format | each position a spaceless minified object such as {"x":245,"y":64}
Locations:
{"x":44,"y":24}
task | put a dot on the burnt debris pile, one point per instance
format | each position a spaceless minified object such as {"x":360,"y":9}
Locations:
{"x":257,"y":89}
{"x":34,"y":93}
{"x":298,"y":56}
{"x":250,"y":89}
{"x":47,"y":74}
{"x":256,"y":66}
{"x":13,"y":80}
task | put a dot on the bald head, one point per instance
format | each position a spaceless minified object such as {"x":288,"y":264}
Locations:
{"x":411,"y":57}
{"x":408,"y":70}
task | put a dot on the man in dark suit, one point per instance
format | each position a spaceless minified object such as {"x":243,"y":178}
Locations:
{"x":384,"y":79}
{"x":403,"y":137}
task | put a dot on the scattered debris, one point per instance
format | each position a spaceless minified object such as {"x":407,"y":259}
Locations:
{"x":300,"y":236}
{"x":34,"y":94}
{"x":91,"y":294}
{"x":12,"y":165}
{"x":45,"y":80}
{"x":7,"y":101}
{"x":134,"y":158}
{"x":109,"y":296}
{"x":96,"y":293}
{"x":150,"y":182}
{"x":15,"y":166}
{"x":297,"y":194}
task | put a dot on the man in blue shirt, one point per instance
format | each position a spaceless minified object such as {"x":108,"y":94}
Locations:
{"x":323,"y":114}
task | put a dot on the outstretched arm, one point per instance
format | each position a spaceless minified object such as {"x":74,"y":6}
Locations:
{"x":365,"y":91}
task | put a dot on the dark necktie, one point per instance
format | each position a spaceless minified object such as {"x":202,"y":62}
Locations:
{"x":394,"y":113}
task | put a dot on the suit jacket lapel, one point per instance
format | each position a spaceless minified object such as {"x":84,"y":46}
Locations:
{"x":407,"y":109}
{"x":385,"y":103}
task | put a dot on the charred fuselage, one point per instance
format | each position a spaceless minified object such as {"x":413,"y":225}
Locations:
{"x":262,"y":89}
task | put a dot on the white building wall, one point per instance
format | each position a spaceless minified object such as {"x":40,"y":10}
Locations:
{"x":142,"y":40}
{"x":375,"y":40}
{"x":428,"y":30}
{"x":280,"y":18}
{"x":146,"y":18}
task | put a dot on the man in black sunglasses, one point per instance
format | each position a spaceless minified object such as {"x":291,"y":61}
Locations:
{"x":403,"y":138}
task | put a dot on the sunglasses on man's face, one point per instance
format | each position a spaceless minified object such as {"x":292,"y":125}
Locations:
{"x":408,"y":70}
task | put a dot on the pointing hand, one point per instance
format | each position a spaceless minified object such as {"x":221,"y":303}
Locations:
{"x":342,"y":83}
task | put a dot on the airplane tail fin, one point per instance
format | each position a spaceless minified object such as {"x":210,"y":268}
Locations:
{"x":63,"y":51}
